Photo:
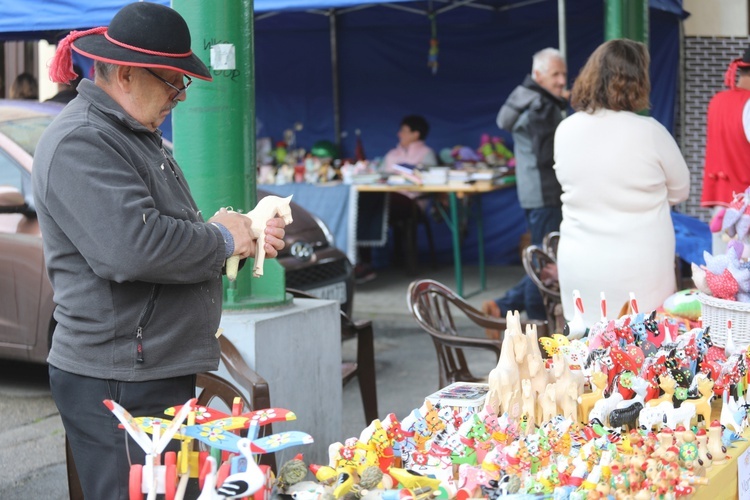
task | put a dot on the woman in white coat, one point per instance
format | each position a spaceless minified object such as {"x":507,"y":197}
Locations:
{"x":619,"y":172}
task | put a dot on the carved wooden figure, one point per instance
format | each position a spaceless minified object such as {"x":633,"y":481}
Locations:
{"x":569,"y":403}
{"x":586,"y":401}
{"x":537,"y":371}
{"x":504,"y":379}
{"x":549,"y":402}
{"x":267,"y":208}
{"x":564,"y":377}
{"x":703,"y":404}
{"x":667,"y":384}
{"x":528,"y":405}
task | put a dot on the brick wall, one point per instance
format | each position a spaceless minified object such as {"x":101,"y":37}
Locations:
{"x":706,"y":60}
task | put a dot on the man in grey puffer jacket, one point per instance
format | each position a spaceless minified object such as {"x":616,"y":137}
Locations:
{"x":136,"y":271}
{"x":531,"y":113}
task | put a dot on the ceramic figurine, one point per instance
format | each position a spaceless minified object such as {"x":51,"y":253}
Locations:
{"x":705,"y":457}
{"x":569,"y":403}
{"x":715,"y":446}
{"x":732,"y":413}
{"x":576,"y":328}
{"x":586,"y":401}
{"x":267,"y":208}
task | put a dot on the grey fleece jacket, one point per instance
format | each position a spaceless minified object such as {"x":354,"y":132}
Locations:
{"x":135,"y":270}
{"x":532,"y":114}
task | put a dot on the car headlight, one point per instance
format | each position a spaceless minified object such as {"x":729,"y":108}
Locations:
{"x":327,"y":232}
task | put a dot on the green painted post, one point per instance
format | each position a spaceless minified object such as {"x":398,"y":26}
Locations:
{"x":214,"y":132}
{"x":626,"y":19}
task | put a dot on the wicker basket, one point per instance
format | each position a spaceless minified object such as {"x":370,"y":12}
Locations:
{"x":716,"y":312}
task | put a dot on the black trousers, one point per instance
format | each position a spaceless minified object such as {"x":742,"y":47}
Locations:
{"x":103,"y":452}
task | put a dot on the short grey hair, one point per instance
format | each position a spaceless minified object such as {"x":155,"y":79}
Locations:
{"x":540,"y":60}
{"x":103,"y":69}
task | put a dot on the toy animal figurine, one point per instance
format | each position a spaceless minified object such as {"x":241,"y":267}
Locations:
{"x":528,"y":405}
{"x":569,"y":403}
{"x":565,"y":377}
{"x":267,"y":208}
{"x":537,"y":373}
{"x":586,"y":401}
{"x":705,"y":458}
{"x":626,"y":412}
{"x":715,"y":446}
{"x":732,"y":413}
{"x":703,"y":404}
{"x":504,"y":380}
{"x":604,"y":407}
{"x":576,"y":328}
{"x":668,"y":385}
{"x":549,"y":403}
{"x":682,"y":415}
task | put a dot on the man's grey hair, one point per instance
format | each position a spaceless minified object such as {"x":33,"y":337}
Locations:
{"x":540,"y":61}
{"x":103,"y":70}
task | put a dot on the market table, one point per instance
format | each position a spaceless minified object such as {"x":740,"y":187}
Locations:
{"x":453,"y":218}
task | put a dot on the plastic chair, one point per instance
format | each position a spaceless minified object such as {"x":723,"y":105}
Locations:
{"x":534,"y":262}
{"x":430,"y":302}
{"x":210,"y":388}
{"x":364,"y":367}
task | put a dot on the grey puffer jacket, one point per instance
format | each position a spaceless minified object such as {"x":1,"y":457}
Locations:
{"x":135,"y":270}
{"x":532,"y":114}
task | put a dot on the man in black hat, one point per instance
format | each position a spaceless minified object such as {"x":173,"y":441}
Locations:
{"x":135,"y":269}
{"x":727,"y":142}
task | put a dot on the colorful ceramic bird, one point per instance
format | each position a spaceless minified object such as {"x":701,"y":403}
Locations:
{"x":244,"y":483}
{"x":576,"y":328}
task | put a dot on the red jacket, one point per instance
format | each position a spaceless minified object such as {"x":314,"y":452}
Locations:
{"x":727,"y":165}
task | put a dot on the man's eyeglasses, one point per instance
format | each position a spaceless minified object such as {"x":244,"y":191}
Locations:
{"x":179,"y":91}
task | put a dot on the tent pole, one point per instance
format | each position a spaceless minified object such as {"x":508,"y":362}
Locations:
{"x":562,"y":33}
{"x":335,"y":80}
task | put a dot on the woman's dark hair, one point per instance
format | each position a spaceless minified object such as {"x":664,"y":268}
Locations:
{"x":417,"y":124}
{"x":615,"y":77}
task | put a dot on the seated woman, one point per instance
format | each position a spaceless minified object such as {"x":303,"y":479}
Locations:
{"x":620,"y":172}
{"x":411,"y":149}
{"x":403,"y":206}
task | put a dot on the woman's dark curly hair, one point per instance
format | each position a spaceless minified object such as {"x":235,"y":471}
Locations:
{"x":615,"y":77}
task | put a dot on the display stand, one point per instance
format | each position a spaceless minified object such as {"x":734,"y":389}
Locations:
{"x":297,"y":349}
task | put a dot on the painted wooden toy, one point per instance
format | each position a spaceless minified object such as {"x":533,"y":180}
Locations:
{"x":151,"y":477}
{"x":715,"y":446}
{"x":267,"y":208}
{"x":668,"y":385}
{"x":576,"y":328}
{"x":703,"y":404}
{"x":586,"y":401}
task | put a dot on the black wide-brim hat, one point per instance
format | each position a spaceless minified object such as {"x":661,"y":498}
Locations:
{"x":143,"y":34}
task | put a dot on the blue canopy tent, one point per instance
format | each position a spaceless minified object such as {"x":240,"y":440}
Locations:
{"x":337,"y":66}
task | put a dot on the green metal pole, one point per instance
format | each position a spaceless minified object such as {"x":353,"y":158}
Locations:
{"x":214,"y":131}
{"x":626,"y":19}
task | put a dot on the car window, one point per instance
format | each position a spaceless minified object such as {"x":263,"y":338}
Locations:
{"x":26,"y":131}
{"x":10,"y":172}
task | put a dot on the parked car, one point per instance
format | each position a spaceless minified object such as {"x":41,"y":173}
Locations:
{"x":311,"y":260}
